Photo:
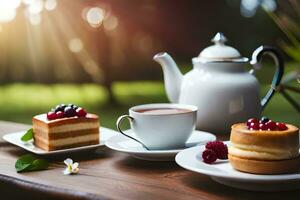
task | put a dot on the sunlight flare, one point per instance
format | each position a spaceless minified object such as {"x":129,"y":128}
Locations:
{"x":8,"y":10}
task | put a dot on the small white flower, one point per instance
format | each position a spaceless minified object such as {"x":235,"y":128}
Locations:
{"x":72,"y":168}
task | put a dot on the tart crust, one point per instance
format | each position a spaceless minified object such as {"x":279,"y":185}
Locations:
{"x":265,"y":166}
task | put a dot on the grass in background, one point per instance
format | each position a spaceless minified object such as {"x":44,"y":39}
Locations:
{"x":19,"y":102}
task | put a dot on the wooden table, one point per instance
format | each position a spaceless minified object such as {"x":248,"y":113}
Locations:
{"x":106,"y":174}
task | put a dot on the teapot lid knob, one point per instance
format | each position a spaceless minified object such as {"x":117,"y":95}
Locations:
{"x":219,"y":38}
{"x":219,"y":52}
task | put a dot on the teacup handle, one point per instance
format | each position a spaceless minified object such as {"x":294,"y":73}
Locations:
{"x":257,"y":57}
{"x":119,"y":121}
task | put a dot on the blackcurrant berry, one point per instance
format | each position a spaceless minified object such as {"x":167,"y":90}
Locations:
{"x":264,"y":120}
{"x":69,"y":111}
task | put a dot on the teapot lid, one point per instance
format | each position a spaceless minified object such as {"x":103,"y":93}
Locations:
{"x":220,"y":52}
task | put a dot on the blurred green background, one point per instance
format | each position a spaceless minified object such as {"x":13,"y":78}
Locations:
{"x":19,"y":102}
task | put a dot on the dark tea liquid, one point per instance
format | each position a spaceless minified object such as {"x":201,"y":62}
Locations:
{"x":163,"y":111}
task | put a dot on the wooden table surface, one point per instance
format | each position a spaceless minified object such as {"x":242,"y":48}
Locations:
{"x":106,"y":174}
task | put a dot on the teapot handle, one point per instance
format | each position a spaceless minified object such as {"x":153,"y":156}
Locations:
{"x":279,"y":63}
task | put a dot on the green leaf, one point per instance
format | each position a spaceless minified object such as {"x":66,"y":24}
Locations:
{"x":39,"y":164}
{"x":28,"y":163}
{"x":24,"y":162}
{"x":27,"y":136}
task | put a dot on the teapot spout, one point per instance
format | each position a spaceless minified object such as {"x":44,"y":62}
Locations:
{"x":172,"y":75}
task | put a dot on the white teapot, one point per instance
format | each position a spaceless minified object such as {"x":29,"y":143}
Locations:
{"x":224,"y":92}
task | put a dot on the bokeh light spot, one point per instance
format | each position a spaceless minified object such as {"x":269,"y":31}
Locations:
{"x":50,"y":4}
{"x":95,"y":16}
{"x":35,"y":19}
{"x":269,"y":5}
{"x":75,"y":45}
{"x":35,"y":6}
{"x":111,"y":23}
{"x":143,"y":42}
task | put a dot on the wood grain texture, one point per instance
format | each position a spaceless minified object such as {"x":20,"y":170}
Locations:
{"x":105,"y":174}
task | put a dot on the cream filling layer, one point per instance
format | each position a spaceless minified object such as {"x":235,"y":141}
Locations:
{"x":70,"y":127}
{"x":70,"y":140}
{"x":262,"y":153}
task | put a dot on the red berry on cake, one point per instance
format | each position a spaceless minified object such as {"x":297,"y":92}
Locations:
{"x":253,"y":126}
{"x":80,"y":112}
{"x":60,"y":114}
{"x":252,"y":120}
{"x":63,"y":110}
{"x":51,"y":115}
{"x":265,"y":124}
{"x":271,"y":126}
{"x":281,"y":126}
{"x":263,"y":127}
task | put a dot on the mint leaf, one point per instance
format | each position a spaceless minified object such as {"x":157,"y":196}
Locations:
{"x":28,"y":163}
{"x":27,"y":136}
{"x":24,"y":162}
{"x":38,"y":164}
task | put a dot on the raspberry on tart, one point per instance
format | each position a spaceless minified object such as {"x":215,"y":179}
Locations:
{"x":265,"y":124}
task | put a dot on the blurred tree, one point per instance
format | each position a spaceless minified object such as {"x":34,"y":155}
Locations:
{"x":118,"y":39}
{"x":287,"y":17}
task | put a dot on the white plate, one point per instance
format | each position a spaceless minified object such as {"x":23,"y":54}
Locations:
{"x":133,"y":148}
{"x":14,"y":138}
{"x":222,"y":172}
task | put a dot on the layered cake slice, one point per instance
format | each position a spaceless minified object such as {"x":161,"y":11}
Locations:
{"x":64,"y":127}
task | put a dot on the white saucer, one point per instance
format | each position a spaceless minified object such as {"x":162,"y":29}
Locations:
{"x":15,"y":138}
{"x":222,"y":172}
{"x":133,"y":148}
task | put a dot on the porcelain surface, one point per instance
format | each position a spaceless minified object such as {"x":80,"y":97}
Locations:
{"x":15,"y":139}
{"x":123,"y":144}
{"x":219,"y":85}
{"x":222,"y":172}
{"x":162,"y":131}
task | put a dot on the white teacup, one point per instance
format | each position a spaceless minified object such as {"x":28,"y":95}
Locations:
{"x":161,"y":126}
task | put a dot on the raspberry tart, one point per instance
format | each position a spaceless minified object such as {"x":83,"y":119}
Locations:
{"x":264,"y":147}
{"x":64,"y":127}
